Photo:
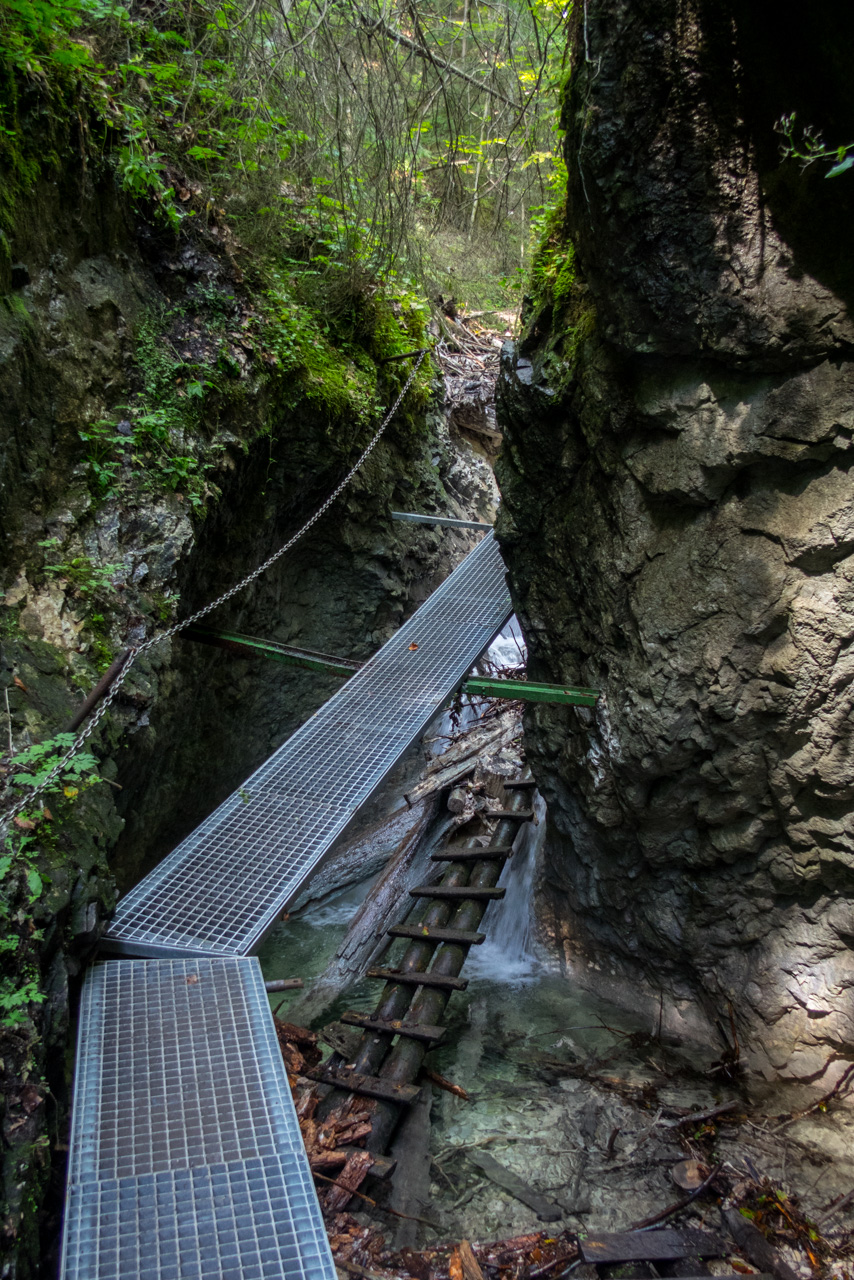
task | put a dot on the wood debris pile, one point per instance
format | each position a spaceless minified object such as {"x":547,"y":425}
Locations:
{"x":533,"y":1255}
{"x":468,"y":355}
{"x":360,"y":1250}
{"x":333,"y":1145}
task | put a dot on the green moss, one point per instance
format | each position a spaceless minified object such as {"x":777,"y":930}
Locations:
{"x":560,"y":314}
{"x":553,"y":271}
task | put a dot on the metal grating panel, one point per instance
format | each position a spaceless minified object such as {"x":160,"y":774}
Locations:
{"x":220,"y":890}
{"x":186,"y":1156}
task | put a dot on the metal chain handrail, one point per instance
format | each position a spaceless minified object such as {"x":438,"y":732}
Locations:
{"x":135,"y":650}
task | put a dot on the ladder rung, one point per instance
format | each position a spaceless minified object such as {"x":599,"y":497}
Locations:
{"x":393,"y":1026}
{"x":472,"y":855}
{"x":435,"y":933}
{"x":524,"y":815}
{"x":455,"y":892}
{"x":415,"y":979}
{"x":365,"y":1086}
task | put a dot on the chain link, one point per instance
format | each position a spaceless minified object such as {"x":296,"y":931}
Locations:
{"x":135,"y":651}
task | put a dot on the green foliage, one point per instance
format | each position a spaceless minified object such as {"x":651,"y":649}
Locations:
{"x":38,"y":38}
{"x":807,"y":145}
{"x":89,"y":580}
{"x":16,"y":997}
{"x":23,"y":878}
{"x":150,"y":444}
{"x":558,"y":300}
{"x":296,"y":128}
{"x":37,"y":762}
{"x":552,"y":273}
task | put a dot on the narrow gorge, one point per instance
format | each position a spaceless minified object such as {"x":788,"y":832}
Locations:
{"x":226,"y":234}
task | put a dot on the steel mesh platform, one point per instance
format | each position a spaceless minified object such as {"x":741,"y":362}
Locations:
{"x":186,"y":1157}
{"x":224,"y":886}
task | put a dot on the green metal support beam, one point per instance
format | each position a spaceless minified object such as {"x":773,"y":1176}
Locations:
{"x":475,"y":686}
{"x":529,"y":691}
{"x":249,"y":646}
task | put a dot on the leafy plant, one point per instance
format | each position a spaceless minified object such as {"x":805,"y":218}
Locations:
{"x":810,"y":147}
{"x":37,"y":762}
{"x":15,"y":1000}
{"x":88,"y":579}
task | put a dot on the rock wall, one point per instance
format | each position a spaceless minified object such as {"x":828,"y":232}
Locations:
{"x":89,"y":568}
{"x":679,"y":527}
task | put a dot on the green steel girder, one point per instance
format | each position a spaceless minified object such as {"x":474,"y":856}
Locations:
{"x":529,"y":691}
{"x":249,"y":646}
{"x":475,"y":686}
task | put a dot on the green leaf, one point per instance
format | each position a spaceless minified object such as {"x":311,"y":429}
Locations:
{"x":842,"y":167}
{"x":203,"y":153}
{"x":35,"y":884}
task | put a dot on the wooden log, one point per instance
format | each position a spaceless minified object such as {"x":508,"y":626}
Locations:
{"x":478,"y":429}
{"x":364,"y":1086}
{"x":442,"y":1082}
{"x":471,"y":855}
{"x":393,"y":1026}
{"x":697,"y":1117}
{"x":524,"y":815}
{"x":353,"y":1175}
{"x":382,"y":1167}
{"x":436,"y":933}
{"x":455,"y":893}
{"x":652,"y":1246}
{"x":414,"y":978}
{"x":283,"y":984}
{"x":457,"y":801}
{"x":510,"y":1182}
{"x":410,"y":1190}
{"x":438,"y":781}
{"x":365,"y":936}
{"x":404,"y":1059}
{"x":755,"y":1247}
{"x":473,"y":743}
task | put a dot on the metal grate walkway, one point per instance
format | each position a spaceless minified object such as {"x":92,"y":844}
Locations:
{"x":186,"y":1155}
{"x":220,"y":890}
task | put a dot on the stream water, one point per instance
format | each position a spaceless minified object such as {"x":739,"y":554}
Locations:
{"x":567,"y":1091}
{"x":574,"y":1095}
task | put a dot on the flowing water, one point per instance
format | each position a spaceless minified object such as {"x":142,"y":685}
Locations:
{"x":567,"y":1091}
{"x":570,"y":1093}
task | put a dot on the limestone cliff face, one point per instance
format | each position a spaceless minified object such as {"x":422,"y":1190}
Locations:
{"x":679,"y":525}
{"x":91,"y":300}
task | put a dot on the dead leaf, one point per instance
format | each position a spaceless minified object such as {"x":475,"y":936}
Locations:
{"x":19,"y":684}
{"x":413,"y":646}
{"x":25,"y":824}
{"x":192,"y":979}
